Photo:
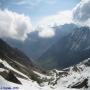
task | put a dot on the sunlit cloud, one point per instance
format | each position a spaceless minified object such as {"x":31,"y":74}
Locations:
{"x":45,"y":25}
{"x":81,"y":13}
{"x":14,"y":25}
{"x":46,"y":32}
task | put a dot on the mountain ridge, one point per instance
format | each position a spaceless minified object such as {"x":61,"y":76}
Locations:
{"x":69,"y":50}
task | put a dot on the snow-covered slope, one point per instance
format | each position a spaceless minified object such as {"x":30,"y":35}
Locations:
{"x":73,"y":78}
{"x":26,"y":84}
{"x":77,"y":76}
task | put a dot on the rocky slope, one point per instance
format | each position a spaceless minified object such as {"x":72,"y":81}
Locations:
{"x":18,"y":60}
{"x":73,"y":78}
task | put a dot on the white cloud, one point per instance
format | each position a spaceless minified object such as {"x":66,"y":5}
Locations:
{"x":14,"y":25}
{"x":19,"y":25}
{"x":81,"y":13}
{"x":59,"y":19}
{"x":47,"y":23}
{"x":46,"y":32}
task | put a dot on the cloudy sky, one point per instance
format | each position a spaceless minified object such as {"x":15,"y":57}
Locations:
{"x":20,"y":17}
{"x":38,"y":9}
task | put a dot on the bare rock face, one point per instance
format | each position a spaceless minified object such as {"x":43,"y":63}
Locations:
{"x":82,"y":84}
{"x":1,"y":65}
{"x":12,"y":78}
